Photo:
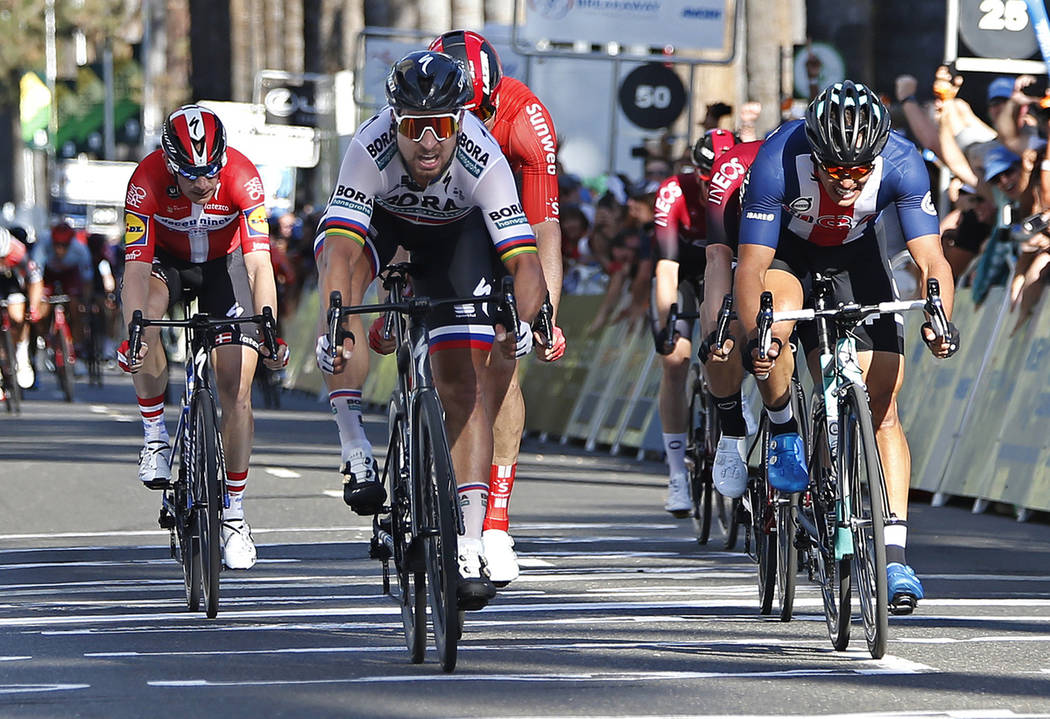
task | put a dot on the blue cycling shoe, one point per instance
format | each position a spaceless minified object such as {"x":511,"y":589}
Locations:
{"x":903,"y":587}
{"x":787,"y":463}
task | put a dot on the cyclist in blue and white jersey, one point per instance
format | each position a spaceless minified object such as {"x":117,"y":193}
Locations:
{"x":813,"y":195}
{"x":425,"y":175}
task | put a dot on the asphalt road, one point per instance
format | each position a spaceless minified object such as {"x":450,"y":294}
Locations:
{"x":618,"y":612}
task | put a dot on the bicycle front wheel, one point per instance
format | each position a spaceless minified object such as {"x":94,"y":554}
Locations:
{"x":411,"y":579}
{"x":787,"y":556}
{"x":207,"y":491}
{"x":763,"y":525}
{"x":440,"y":526}
{"x":12,"y":392}
{"x":867,"y":507}
{"x":833,"y":575}
{"x":64,"y":359}
{"x":700,"y":417}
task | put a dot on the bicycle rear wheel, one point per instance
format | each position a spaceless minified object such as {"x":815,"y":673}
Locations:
{"x":185,"y":531}
{"x":407,"y":561}
{"x":440,"y":527}
{"x":763,"y":526}
{"x":833,"y":575}
{"x":787,"y":556}
{"x":207,"y":489}
{"x":865,"y":490}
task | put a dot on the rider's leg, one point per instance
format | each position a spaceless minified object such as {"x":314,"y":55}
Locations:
{"x":884,"y":375}
{"x":724,"y":377}
{"x":787,"y":461}
{"x":16,"y":311}
{"x":508,"y":423}
{"x":151,"y":384}
{"x":674,"y":410}
{"x":234,"y":370}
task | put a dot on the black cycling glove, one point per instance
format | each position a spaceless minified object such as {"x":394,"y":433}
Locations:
{"x":953,"y":338}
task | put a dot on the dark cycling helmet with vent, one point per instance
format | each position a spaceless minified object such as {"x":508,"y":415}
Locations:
{"x":194,"y":142}
{"x":709,"y":148}
{"x":486,"y":70}
{"x":428,"y":81}
{"x":847,"y":124}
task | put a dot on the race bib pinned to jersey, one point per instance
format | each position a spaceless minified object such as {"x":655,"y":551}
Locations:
{"x":258,"y":226}
{"x":134,"y":230}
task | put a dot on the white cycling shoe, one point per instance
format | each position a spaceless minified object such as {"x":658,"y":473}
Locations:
{"x":155,"y":464}
{"x":730,"y":470}
{"x":679,"y":502}
{"x":500,"y":556}
{"x":238,"y":548}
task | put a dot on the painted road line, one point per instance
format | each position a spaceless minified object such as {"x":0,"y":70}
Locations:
{"x":282,"y":473}
{"x":37,"y":688}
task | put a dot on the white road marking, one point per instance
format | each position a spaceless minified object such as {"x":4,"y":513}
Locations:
{"x":14,"y":659}
{"x":282,"y":473}
{"x":36,"y":688}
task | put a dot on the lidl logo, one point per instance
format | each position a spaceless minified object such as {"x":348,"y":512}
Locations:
{"x":134,"y":230}
{"x":257,"y":224}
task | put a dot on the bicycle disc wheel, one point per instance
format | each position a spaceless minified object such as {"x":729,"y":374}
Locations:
{"x":787,"y":556}
{"x":833,"y":575}
{"x":763,"y":527}
{"x":440,"y":527}
{"x":208,"y":479}
{"x":865,"y":487}
{"x":411,"y":581}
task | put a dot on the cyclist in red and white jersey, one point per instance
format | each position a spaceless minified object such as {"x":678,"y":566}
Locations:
{"x":683,"y":275}
{"x":195,"y":222}
{"x":523,"y":127}
{"x":21,"y":282}
{"x":425,"y":175}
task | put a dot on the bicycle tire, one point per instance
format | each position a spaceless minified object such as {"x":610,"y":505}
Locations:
{"x":700,"y":471}
{"x":833,"y":575}
{"x":732,"y":531}
{"x":96,"y":332}
{"x":411,"y":581}
{"x":787,"y":557}
{"x":64,"y":360}
{"x":185,"y":531}
{"x":11,"y":388}
{"x":763,"y":524}
{"x":207,"y":488}
{"x":868,"y":505}
{"x":440,"y":527}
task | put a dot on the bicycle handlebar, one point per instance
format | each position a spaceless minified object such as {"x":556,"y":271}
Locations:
{"x":201,"y":321}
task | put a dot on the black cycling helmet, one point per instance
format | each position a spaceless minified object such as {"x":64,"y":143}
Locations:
{"x":481,"y":59}
{"x":428,"y":81}
{"x":847,"y":124}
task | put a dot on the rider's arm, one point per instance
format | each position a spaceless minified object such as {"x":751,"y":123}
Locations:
{"x":548,"y":241}
{"x":749,"y":282}
{"x":718,"y":282}
{"x":929,"y":258}
{"x":135,"y":287}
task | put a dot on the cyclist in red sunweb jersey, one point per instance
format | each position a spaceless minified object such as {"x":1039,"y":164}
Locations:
{"x":525,"y":132}
{"x":195,"y":220}
{"x":685,"y":273}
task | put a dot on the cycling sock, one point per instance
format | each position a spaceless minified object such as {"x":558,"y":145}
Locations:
{"x":674,"y":446}
{"x":781,"y":419}
{"x":235,"y":484}
{"x":731,"y":415}
{"x":473,"y":499}
{"x":346,"y":408}
{"x":22,"y":352}
{"x":896,"y":540}
{"x":153,"y":426}
{"x":501,"y":481}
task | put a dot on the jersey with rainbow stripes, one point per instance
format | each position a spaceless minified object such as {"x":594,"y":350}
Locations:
{"x":479,"y":176}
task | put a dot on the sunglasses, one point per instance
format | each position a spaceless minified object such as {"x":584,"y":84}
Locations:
{"x":484,"y":112}
{"x":414,"y":127}
{"x":843,"y":172}
{"x":191,"y":174}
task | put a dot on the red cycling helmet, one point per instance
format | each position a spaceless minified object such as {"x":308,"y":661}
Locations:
{"x":709,"y":148}
{"x":194,"y":142}
{"x":481,"y":59}
{"x":62,"y":234}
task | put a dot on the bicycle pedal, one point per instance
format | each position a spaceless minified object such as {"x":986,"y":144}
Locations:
{"x":166,"y":520}
{"x":903,"y":605}
{"x":157,"y":484}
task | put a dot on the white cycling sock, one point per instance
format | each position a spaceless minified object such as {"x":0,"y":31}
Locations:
{"x":473,"y":500}
{"x":674,"y":446}
{"x":152,"y":411}
{"x":346,"y":409}
{"x":780,"y":416}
